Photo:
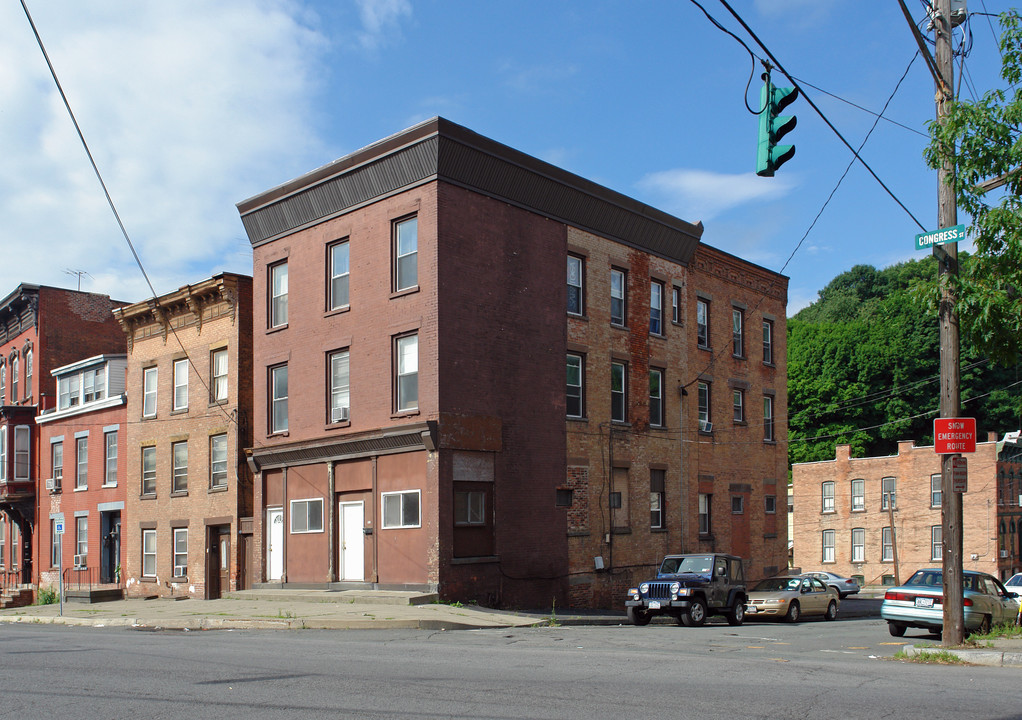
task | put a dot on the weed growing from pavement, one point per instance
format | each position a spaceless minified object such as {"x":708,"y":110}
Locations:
{"x":47,"y":596}
{"x":934,"y":657}
{"x":1004,"y":630}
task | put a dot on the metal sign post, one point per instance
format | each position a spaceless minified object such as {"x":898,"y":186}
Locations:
{"x":58,"y":530}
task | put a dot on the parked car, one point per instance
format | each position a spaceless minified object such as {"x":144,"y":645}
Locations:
{"x":791,"y":597}
{"x":843,"y":586}
{"x":1014,"y":583}
{"x":689,"y":588}
{"x":919,"y":603}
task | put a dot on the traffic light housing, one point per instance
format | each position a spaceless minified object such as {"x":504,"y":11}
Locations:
{"x":772,"y":128}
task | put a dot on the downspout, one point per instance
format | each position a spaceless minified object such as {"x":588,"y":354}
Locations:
{"x":682,"y":392}
{"x":331,"y":523}
{"x":378,"y":524}
{"x":610,"y":504}
{"x":283,"y":531}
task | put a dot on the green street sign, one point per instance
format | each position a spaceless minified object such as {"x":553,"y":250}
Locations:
{"x":952,"y":234}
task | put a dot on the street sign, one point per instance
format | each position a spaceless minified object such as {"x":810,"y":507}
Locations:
{"x":955,"y":233}
{"x":959,"y":475}
{"x":954,"y":435}
{"x":58,"y":527}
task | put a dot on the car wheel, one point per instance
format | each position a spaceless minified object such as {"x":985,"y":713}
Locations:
{"x":794,"y":612}
{"x":638,"y":616}
{"x":896,"y":630}
{"x":831,"y":611}
{"x":736,"y":616}
{"x":696,"y":614}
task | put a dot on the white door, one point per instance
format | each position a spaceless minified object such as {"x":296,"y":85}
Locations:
{"x":275,"y":544}
{"x":352,"y":541}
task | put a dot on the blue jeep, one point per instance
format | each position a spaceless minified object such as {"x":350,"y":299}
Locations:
{"x":689,"y":588}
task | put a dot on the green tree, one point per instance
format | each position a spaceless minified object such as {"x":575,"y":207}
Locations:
{"x":982,"y":140}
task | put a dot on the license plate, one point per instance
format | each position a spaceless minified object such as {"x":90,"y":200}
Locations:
{"x":924,"y":602}
{"x":751,"y":610}
{"x":654,"y":604}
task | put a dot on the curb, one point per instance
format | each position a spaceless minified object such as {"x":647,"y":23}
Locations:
{"x":990,"y":658}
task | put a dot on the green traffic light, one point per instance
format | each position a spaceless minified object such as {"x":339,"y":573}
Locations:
{"x":773,"y":127}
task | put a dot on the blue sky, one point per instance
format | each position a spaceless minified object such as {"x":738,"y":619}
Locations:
{"x":190,"y":107}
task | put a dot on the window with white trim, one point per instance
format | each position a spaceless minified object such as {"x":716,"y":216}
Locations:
{"x":149,"y":470}
{"x":149,"y":381}
{"x":82,"y":536}
{"x":306,"y":516}
{"x":407,"y":372}
{"x":179,"y":455}
{"x":768,"y":342}
{"x":3,"y":453}
{"x":858,"y":545}
{"x":737,"y":332}
{"x":828,"y":496}
{"x":657,"y":495}
{"x":54,"y":543}
{"x":218,"y":372}
{"x":278,"y":399}
{"x":340,"y":389}
{"x":936,"y":487}
{"x":738,"y":401}
{"x":401,"y":509}
{"x":57,"y":463}
{"x":618,"y":287}
{"x":339,"y":275}
{"x":149,"y":553}
{"x":110,"y":459}
{"x":28,"y":373}
{"x":858,"y":495}
{"x":218,"y":461}
{"x":768,"y":418}
{"x":936,"y":542}
{"x":278,"y":294}
{"x":703,"y":407}
{"x":888,"y":494}
{"x":675,"y":305}
{"x":656,"y":397}
{"x":81,"y":463}
{"x":828,"y":546}
{"x":181,"y":384}
{"x":702,"y":323}
{"x":180,"y":559}
{"x":22,"y":451}
{"x":618,"y":385}
{"x":576,"y":285}
{"x":406,"y":254}
{"x":656,"y":308}
{"x":705,"y":505}
{"x":15,"y":369}
{"x":886,"y":545}
{"x":574,"y":398}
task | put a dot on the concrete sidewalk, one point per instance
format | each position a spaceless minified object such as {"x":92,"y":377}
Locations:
{"x":291,"y":609}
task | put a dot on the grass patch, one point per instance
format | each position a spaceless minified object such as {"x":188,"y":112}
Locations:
{"x":1004,"y":630}
{"x":931,"y":657}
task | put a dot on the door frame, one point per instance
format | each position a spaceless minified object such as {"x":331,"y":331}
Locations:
{"x":342,"y":575}
{"x":271,"y":511}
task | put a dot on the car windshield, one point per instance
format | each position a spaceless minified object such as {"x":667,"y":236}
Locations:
{"x":778,"y":583}
{"x":935,"y":578}
{"x":1015,"y":579}
{"x":701,"y":564}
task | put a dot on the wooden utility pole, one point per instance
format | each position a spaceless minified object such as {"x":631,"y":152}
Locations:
{"x":894,"y":540}
{"x":950,"y":391}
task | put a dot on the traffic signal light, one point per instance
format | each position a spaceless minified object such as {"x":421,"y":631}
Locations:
{"x":772,"y":128}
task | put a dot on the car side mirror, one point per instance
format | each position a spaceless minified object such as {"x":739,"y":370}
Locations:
{"x":1013,"y":594}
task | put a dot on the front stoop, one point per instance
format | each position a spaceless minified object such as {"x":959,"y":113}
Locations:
{"x":17,"y":596}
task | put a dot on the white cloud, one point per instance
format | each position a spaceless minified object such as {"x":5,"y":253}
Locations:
{"x":380,"y":20}
{"x":188,"y":107}
{"x":702,"y":195}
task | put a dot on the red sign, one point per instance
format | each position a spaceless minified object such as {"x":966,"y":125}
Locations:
{"x":954,"y":435}
{"x":959,"y":475}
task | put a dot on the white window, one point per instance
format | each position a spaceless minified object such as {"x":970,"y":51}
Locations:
{"x":617,"y":296}
{"x":406,"y":254}
{"x":3,"y":383}
{"x":675,"y":304}
{"x":575,"y":266}
{"x":617,"y":391}
{"x":278,"y":295}
{"x":149,"y":378}
{"x":704,"y":513}
{"x":768,"y":418}
{"x":574,"y":397}
{"x":703,"y":407}
{"x":218,"y":365}
{"x":149,"y":553}
{"x":407,"y":372}
{"x":81,"y":463}
{"x":28,"y":373}
{"x":82,"y":536}
{"x":858,"y":545}
{"x":340,"y":388}
{"x":218,"y":461}
{"x":179,"y":453}
{"x":738,"y":332}
{"x":57,"y":460}
{"x":936,"y":543}
{"x":858,"y":495}
{"x":180,"y":552}
{"x":22,"y":449}
{"x":3,"y":453}
{"x":768,"y":342}
{"x":110,"y":462}
{"x":339,"y":275}
{"x":656,"y":397}
{"x":828,"y":496}
{"x":828,"y":546}
{"x":149,"y":470}
{"x":469,"y":507}
{"x":656,"y":308}
{"x":738,"y":400}
{"x":935,"y":490}
{"x":181,"y":384}
{"x":14,"y":378}
{"x":307,"y":515}
{"x":401,"y":509}
{"x":702,"y":323}
{"x":887,"y":545}
{"x":278,"y":399}
{"x":888,"y":497}
{"x":93,"y":384}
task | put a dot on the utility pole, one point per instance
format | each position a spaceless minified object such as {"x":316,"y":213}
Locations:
{"x":950,"y":390}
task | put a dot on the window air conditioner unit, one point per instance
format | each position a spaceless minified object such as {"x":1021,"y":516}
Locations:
{"x":180,"y":570}
{"x":339,"y":414}
{"x":80,"y":561}
{"x":705,"y":426}
{"x":1004,"y":553}
{"x":51,"y":484}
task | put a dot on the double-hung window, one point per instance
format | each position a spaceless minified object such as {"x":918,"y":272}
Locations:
{"x":278,"y":294}
{"x":180,"y":558}
{"x":28,"y":373}
{"x":179,"y":452}
{"x":3,"y":382}
{"x":702,"y":323}
{"x":935,"y":490}
{"x":828,"y":546}
{"x":703,"y":407}
{"x":93,"y":384}
{"x":218,"y":372}
{"x":218,"y":461}
{"x":407,"y":372}
{"x":886,"y":545}
{"x":15,"y":369}
{"x":738,"y":332}
{"x":82,"y":536}
{"x":149,"y":470}
{"x":675,"y":304}
{"x":657,"y":493}
{"x":738,"y":401}
{"x":888,"y":496}
{"x":149,"y":380}
{"x":340,"y":393}
{"x":656,"y":397}
{"x":574,"y":405}
{"x":81,"y":463}
{"x":768,"y":418}
{"x":704,"y":513}
{"x":339,"y":275}
{"x":22,"y":451}
{"x":181,"y":384}
{"x":936,"y":542}
{"x":149,"y":553}
{"x":57,"y":460}
{"x":278,"y":399}
{"x":110,"y":459}
{"x":575,"y":285}
{"x":656,"y":308}
{"x":406,"y":254}
{"x":858,"y":495}
{"x":768,"y":342}
{"x":401,"y":509}
{"x":828,"y":496}
{"x":618,"y":286}
{"x":858,"y":545}
{"x":618,"y":384}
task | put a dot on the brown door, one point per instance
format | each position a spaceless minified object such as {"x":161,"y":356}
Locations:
{"x":225,"y":560}
{"x":218,"y":573}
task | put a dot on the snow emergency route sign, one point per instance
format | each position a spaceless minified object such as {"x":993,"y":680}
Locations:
{"x":954,"y":435}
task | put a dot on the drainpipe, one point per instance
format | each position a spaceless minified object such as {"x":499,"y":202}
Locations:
{"x":378,"y":522}
{"x":283,"y":532}
{"x":331,"y":523}
{"x":682,"y":392}
{"x":610,"y":505}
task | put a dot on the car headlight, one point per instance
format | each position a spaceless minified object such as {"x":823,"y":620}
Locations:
{"x":633,"y":593}
{"x":644,"y":588}
{"x":675,"y":587}
{"x":684,"y":591}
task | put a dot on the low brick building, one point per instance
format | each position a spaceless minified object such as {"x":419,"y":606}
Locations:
{"x":843,"y":510}
{"x":413,"y":426}
{"x":188,"y":522}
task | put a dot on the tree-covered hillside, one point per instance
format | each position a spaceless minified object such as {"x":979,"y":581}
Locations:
{"x":864,"y":368}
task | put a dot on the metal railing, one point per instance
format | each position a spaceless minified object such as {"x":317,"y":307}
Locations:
{"x":78,"y":578}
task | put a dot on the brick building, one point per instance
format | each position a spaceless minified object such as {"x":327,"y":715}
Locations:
{"x":41,"y":328}
{"x":843,"y":511}
{"x":189,"y":493}
{"x":412,"y":422}
{"x":82,"y":471}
